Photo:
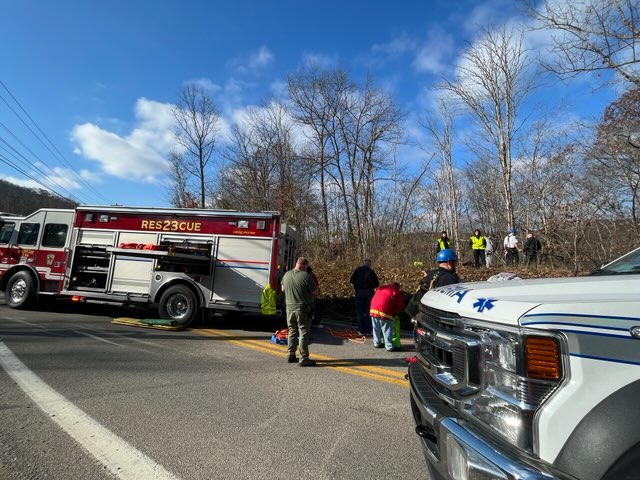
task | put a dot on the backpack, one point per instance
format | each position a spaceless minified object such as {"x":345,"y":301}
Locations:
{"x":280,"y":337}
{"x":414,"y":304}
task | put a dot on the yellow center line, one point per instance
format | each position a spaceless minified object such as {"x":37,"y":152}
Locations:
{"x":365,"y":371}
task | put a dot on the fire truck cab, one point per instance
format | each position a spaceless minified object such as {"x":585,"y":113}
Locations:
{"x":183,"y":260}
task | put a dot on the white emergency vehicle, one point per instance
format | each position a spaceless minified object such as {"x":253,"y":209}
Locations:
{"x":531,"y":379}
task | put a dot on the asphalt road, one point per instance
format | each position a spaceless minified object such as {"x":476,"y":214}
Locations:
{"x":213,"y":401}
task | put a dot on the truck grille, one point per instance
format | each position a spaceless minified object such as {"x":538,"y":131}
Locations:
{"x":450,"y":354}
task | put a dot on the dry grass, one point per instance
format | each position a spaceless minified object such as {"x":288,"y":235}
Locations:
{"x":334,"y":275}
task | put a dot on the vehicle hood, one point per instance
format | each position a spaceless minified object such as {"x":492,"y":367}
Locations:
{"x":508,"y":301}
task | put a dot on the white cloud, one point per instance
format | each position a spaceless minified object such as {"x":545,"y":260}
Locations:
{"x":259,"y":59}
{"x":319,"y":60}
{"x":434,"y":56}
{"x":279,"y":88}
{"x":254,"y":61}
{"x":23,"y":182}
{"x":205,"y":84}
{"x":487,"y":14}
{"x":140,"y":155}
{"x":381,"y":53}
{"x":57,"y":180}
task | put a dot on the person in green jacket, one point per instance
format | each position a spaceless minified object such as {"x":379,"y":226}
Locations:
{"x":299,"y":292}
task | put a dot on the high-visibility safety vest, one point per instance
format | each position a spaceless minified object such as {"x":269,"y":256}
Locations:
{"x":268,"y":301}
{"x":444,"y":243}
{"x":477,"y":243}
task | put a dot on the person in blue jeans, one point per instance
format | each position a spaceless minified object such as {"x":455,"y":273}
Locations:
{"x":364,"y":281}
{"x":387,"y":302}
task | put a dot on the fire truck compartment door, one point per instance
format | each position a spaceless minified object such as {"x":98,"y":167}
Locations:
{"x":95,"y":237}
{"x":131,"y":274}
{"x":241,"y":270}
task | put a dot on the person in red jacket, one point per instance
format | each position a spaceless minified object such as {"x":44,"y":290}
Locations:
{"x":386,"y":303}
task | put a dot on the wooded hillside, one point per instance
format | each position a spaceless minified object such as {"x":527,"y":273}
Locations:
{"x":23,"y":201}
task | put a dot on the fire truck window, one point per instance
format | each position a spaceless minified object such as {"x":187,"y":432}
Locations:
{"x":28,"y":233}
{"x":6,"y":231}
{"x":54,"y":235}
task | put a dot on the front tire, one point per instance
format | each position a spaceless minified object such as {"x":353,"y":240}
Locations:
{"x":21,"y":291}
{"x":179,"y":304}
{"x":626,"y":467}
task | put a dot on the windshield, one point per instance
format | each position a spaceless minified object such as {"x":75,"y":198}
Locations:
{"x":629,"y":263}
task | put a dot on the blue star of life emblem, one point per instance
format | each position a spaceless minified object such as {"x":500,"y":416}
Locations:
{"x":484,"y":303}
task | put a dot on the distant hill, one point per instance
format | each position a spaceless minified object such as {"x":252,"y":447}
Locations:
{"x":23,"y":201}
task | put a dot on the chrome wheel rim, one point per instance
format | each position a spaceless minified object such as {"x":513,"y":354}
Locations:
{"x":178,"y":306}
{"x":18,"y":291}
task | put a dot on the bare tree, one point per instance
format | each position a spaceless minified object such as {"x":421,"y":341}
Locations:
{"x":615,"y":158}
{"x":264,"y":170}
{"x":180,"y":195}
{"x":369,"y":126}
{"x":440,"y":127}
{"x":592,"y":36}
{"x":314,"y":96}
{"x":492,"y":82}
{"x":196,"y":132}
{"x":352,"y":131}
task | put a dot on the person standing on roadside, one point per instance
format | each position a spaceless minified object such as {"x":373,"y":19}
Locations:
{"x":445,"y":274}
{"x":443,"y":242}
{"x":299,"y":292}
{"x":531,"y":248}
{"x":488,"y":251}
{"x":478,"y":244}
{"x":386,"y":303}
{"x":511,"y":247}
{"x":364,"y":281}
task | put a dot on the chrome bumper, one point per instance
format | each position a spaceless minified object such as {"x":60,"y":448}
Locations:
{"x":455,"y":451}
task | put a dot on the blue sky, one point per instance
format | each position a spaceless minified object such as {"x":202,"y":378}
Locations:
{"x":99,"y":78}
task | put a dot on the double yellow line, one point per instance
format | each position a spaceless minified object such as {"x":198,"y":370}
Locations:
{"x":345,"y":366}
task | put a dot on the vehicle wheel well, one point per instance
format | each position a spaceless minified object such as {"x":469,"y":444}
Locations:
{"x":10,"y":273}
{"x":626,"y":467}
{"x":191,"y":286}
{"x":603,"y":437}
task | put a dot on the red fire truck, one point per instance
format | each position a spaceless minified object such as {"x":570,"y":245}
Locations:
{"x":183,"y":260}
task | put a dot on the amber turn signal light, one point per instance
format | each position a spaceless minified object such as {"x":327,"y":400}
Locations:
{"x":542,"y":358}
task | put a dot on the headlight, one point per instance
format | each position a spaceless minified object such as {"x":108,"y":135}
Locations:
{"x":519,"y":372}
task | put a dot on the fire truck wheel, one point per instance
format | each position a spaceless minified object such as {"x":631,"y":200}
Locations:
{"x":20,"y":291}
{"x":178,"y":303}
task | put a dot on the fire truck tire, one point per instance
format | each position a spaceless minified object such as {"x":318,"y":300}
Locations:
{"x":21,"y":291}
{"x":178,"y":303}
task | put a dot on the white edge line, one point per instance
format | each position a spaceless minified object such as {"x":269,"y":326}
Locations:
{"x":119,"y":457}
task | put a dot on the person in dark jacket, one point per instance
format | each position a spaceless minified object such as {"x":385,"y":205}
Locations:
{"x":445,"y":274}
{"x":364,"y":281}
{"x":531,"y":248}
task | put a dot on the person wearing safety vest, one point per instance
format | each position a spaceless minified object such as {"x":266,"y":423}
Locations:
{"x":386,"y":303}
{"x":478,"y":243}
{"x":443,"y":242}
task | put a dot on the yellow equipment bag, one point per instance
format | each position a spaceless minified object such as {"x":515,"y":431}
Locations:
{"x":268,"y":301}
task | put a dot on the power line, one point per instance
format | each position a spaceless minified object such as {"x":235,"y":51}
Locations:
{"x":6,"y":161}
{"x":59,"y":156}
{"x":28,"y":164}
